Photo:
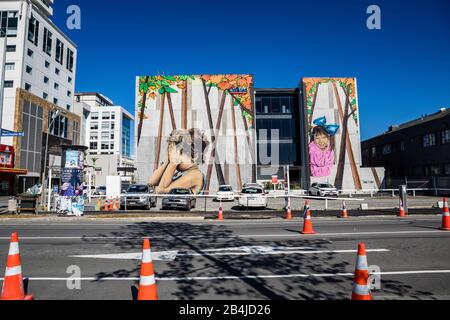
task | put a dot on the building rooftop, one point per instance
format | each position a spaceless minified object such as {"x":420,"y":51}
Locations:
{"x":443,"y":112}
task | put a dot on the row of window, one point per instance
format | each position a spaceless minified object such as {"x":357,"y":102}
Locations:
{"x":105,"y":126}
{"x":104,"y":135}
{"x":105,"y":115}
{"x":428,"y":140}
{"x":278,"y":104}
{"x":103,"y":146}
{"x":29,"y":70}
{"x":428,"y":170}
{"x":47,"y":44}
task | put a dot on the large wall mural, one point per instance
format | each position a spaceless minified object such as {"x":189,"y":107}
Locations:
{"x":334,"y":144}
{"x":195,"y":131}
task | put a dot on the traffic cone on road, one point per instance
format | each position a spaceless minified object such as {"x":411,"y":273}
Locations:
{"x":401,"y":210}
{"x":445,"y":216}
{"x":361,"y":289}
{"x":307,"y":225}
{"x":117,"y":204}
{"x":344,"y":213}
{"x":111,"y":204}
{"x":288,"y":213}
{"x":147,"y":283}
{"x":13,"y":288}
{"x":106,"y":206}
{"x":220,"y":216}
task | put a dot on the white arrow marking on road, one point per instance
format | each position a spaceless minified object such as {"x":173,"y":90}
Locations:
{"x":237,"y":251}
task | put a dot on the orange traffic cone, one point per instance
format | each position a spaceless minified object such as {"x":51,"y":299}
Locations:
{"x":105,"y":206}
{"x":361,"y":289}
{"x":13,"y":288}
{"x":111,"y":204}
{"x":147,"y":282}
{"x":288,"y":213}
{"x":117,"y":204}
{"x":401,"y":210}
{"x":344,"y":213}
{"x":307,"y":225}
{"x":220,"y":216}
{"x":445,"y":216}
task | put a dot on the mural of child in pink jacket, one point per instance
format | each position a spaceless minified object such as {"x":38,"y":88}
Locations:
{"x":321,"y":154}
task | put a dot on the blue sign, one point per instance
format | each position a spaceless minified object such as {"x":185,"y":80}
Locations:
{"x":8,"y":133}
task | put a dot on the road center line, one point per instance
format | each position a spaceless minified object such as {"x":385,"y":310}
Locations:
{"x":274,"y":276}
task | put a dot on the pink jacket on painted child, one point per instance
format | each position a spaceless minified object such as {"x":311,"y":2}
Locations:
{"x":321,"y":162}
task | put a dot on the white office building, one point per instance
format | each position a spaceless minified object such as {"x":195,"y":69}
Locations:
{"x":38,"y":79}
{"x":108,"y":136}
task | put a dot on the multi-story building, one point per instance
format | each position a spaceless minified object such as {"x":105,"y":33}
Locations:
{"x":38,"y":80}
{"x":108,"y":136}
{"x":416,"y":152}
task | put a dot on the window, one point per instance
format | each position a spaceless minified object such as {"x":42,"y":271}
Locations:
{"x":113,"y":116}
{"x":387,"y":149}
{"x":113,"y":125}
{"x":429,"y":140}
{"x":68,"y":107}
{"x":10,"y":66}
{"x":94,"y":116}
{"x":105,"y":135}
{"x":447,"y":169}
{"x":111,"y":146}
{"x":29,"y":70}
{"x":105,"y":125}
{"x":27,"y":86}
{"x":59,"y":51}
{"x":433,"y":170}
{"x":8,"y":23}
{"x":69,"y":93}
{"x":47,"y":64}
{"x":374,"y":152}
{"x":94,"y":136}
{"x":94,"y":126}
{"x":93,"y":145}
{"x":70,"y":60}
{"x":106,"y":116}
{"x":105,"y":146}
{"x":57,"y":71}
{"x":446,"y":136}
{"x":8,"y":84}
{"x":45,"y":95}
{"x":56,"y":86}
{"x":33,"y":31}
{"x":46,"y":80}
{"x":30,"y":53}
{"x":69,"y":80}
{"x":11,"y":48}
{"x":60,"y":125}
{"x":112,"y":136}
{"x":47,"y":46}
{"x":55,"y":100}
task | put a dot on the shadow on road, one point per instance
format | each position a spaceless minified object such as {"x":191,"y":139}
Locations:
{"x":179,"y":236}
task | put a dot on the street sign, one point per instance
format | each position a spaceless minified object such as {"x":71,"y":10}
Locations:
{"x":274,"y":179}
{"x":8,"y":133}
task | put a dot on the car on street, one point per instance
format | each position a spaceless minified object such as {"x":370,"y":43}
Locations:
{"x":179,"y":199}
{"x":225,"y":193}
{"x":140,"y":197}
{"x":100,"y":191}
{"x":323,"y":190}
{"x":253,"y":197}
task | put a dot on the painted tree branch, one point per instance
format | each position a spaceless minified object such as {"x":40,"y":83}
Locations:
{"x":141,"y":114}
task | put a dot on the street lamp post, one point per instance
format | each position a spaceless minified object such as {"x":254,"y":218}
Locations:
{"x":44,"y":182}
{"x":2,"y":83}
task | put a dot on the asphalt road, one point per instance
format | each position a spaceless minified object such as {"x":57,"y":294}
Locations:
{"x":243,"y":260}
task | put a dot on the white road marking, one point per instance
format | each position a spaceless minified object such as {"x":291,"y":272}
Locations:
{"x":285,"y":235}
{"x":274,"y":276}
{"x":237,"y":251}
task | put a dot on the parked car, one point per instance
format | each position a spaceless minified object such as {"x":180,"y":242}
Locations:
{"x":179,"y":199}
{"x":140,"y":197}
{"x":100,"y":191}
{"x":225,"y":193}
{"x":253,"y":197}
{"x":323,"y":190}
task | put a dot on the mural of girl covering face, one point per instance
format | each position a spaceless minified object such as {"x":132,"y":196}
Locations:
{"x":321,"y":153}
{"x":180,"y":169}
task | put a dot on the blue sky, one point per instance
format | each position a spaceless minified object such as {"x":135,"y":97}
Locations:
{"x":403,"y":69}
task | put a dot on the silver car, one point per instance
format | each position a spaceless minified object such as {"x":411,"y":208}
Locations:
{"x":323,"y":190}
{"x":179,"y":199}
{"x":140,"y":197}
